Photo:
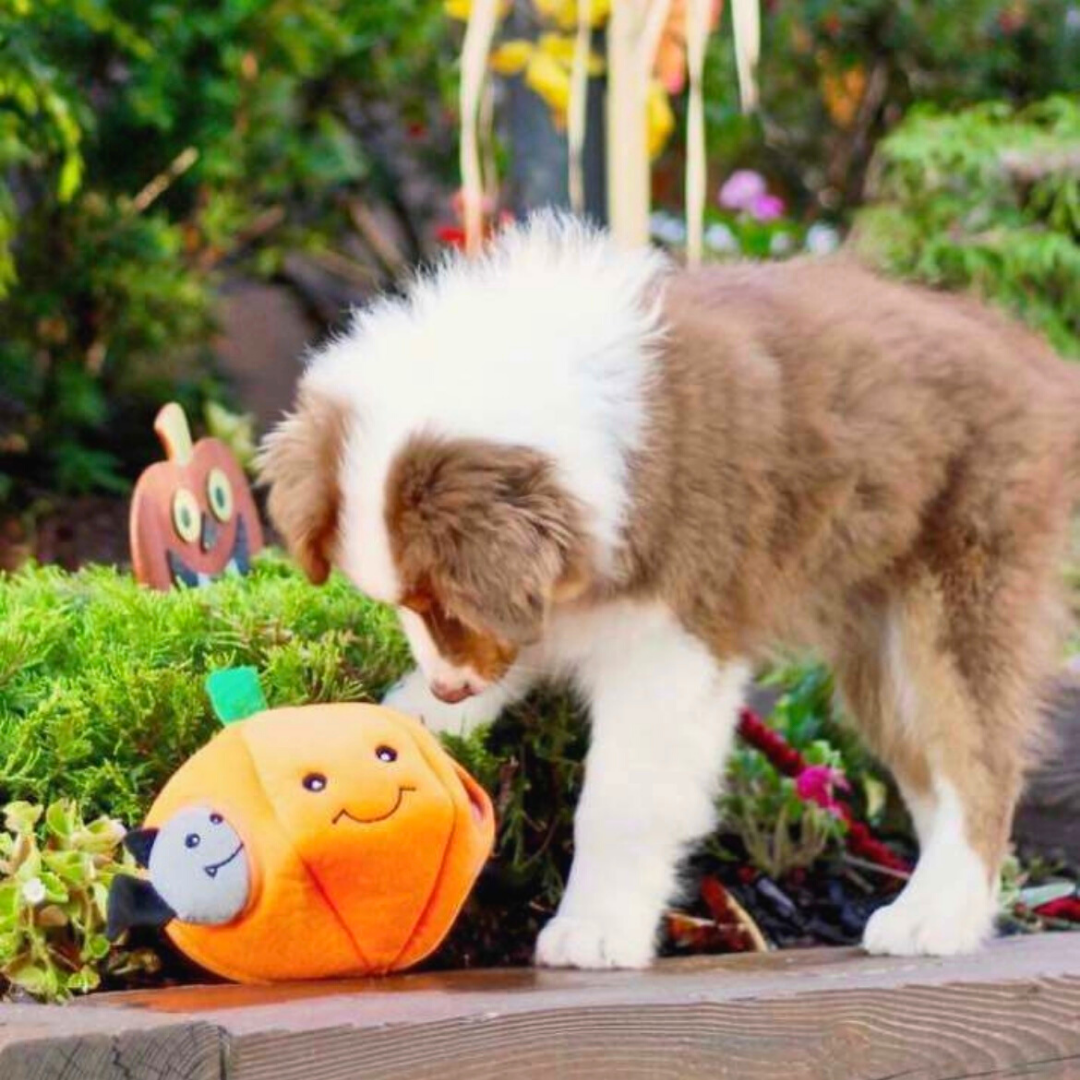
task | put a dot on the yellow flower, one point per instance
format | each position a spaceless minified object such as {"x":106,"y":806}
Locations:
{"x":549,"y":79}
{"x":565,"y":12}
{"x":560,"y":47}
{"x":660,"y":118}
{"x":511,"y":57}
{"x":461,"y":9}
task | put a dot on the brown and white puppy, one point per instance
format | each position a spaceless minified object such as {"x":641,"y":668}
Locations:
{"x":568,"y":460}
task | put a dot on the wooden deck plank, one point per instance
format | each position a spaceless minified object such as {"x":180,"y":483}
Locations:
{"x":1013,"y":1010}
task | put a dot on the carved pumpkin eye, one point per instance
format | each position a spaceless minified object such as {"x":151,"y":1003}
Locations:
{"x":219,"y":495}
{"x":186,"y":516}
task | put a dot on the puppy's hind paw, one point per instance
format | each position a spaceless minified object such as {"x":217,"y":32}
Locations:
{"x":917,"y":926}
{"x":571,"y":942}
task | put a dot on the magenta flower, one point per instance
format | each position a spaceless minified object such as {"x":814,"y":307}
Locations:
{"x":816,"y":784}
{"x":741,"y":188}
{"x":766,"y":207}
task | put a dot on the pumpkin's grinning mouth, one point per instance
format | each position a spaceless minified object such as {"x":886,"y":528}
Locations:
{"x":344,"y":813}
{"x":238,"y":561}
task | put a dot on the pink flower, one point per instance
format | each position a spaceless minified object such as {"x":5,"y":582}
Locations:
{"x":741,"y":188}
{"x":816,"y":784}
{"x":766,"y":207}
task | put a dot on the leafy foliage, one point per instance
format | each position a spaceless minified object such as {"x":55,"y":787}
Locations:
{"x":987,"y":199}
{"x":837,"y":75}
{"x":101,"y":694}
{"x":55,"y":872}
{"x":779,"y":828}
{"x":144,"y":146}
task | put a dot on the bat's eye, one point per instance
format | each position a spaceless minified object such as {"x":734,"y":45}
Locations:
{"x":386,"y":753}
{"x":187,"y":519}
{"x":216,"y":819}
{"x":315,"y":781}
{"x":219,"y":495}
{"x":192,"y":840}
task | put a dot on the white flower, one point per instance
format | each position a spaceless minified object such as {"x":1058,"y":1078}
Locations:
{"x":34,"y":890}
{"x":667,"y":228}
{"x":780,"y":243}
{"x":719,"y":238}
{"x":822,"y":239}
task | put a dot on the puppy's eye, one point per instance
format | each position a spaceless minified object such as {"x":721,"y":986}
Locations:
{"x":216,"y":819}
{"x":192,"y":840}
{"x":386,"y":753}
{"x":315,"y":781}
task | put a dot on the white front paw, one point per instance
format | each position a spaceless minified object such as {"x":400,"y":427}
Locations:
{"x":925,"y":924}
{"x":413,"y":697}
{"x":570,"y":941}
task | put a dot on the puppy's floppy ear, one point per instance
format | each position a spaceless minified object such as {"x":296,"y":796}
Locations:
{"x":300,"y":460}
{"x":492,"y":529}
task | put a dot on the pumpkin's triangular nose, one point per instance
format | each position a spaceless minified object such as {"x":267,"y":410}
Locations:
{"x":209,"y":533}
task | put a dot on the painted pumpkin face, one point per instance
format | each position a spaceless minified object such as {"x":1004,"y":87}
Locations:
{"x":360,"y":840}
{"x":192,"y":516}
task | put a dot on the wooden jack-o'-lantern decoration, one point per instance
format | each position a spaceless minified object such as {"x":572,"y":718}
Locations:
{"x":192,"y":516}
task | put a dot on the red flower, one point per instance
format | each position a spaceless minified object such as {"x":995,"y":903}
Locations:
{"x":816,"y":784}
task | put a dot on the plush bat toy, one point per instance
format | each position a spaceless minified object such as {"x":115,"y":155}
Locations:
{"x":307,"y":842}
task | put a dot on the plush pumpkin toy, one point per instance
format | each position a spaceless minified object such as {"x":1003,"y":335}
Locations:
{"x":323,"y":840}
{"x":192,"y":516}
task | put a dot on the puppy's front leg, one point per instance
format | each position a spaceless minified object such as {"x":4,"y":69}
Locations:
{"x":663,"y":715}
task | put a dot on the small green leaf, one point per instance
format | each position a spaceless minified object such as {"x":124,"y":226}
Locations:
{"x":21,"y":817}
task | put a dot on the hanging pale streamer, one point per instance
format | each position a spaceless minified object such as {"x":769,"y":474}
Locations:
{"x":655,"y":20}
{"x":576,"y":114}
{"x":634,"y":32}
{"x":698,"y":15}
{"x":489,"y":170}
{"x":479,"y":32}
{"x":746,"y":27}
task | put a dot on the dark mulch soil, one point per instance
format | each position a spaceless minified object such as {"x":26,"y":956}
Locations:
{"x":826,"y":905}
{"x":69,"y":532}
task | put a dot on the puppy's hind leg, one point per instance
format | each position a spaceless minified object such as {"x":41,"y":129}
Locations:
{"x":957,"y":755}
{"x":663,"y":716}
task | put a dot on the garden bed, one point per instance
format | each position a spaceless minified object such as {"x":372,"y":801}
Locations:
{"x":101,"y":699}
{"x":1008,"y":1011}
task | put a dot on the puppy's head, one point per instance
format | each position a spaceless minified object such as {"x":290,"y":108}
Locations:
{"x":482,"y":538}
{"x":485,"y":540}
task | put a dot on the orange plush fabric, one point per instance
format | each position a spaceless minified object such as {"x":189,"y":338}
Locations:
{"x":363,"y":840}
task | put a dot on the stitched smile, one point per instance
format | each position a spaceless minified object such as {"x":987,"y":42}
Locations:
{"x":343,"y":813}
{"x":211,"y":871}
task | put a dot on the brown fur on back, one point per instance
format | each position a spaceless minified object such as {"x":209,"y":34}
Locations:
{"x":834,"y":459}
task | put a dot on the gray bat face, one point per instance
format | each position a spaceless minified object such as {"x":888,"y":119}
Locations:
{"x":198,"y":867}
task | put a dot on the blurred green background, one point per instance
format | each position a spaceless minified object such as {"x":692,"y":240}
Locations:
{"x":189,"y":192}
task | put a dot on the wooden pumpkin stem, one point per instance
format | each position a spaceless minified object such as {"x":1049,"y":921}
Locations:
{"x":172,"y":429}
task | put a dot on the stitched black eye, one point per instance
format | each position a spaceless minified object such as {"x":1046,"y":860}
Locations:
{"x":386,"y":753}
{"x":315,"y":781}
{"x":215,"y":819}
{"x":192,"y":840}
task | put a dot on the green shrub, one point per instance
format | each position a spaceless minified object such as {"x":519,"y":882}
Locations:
{"x":837,"y":75}
{"x":986,"y":199}
{"x":55,"y":872}
{"x":101,"y":681}
{"x":144,"y":146}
